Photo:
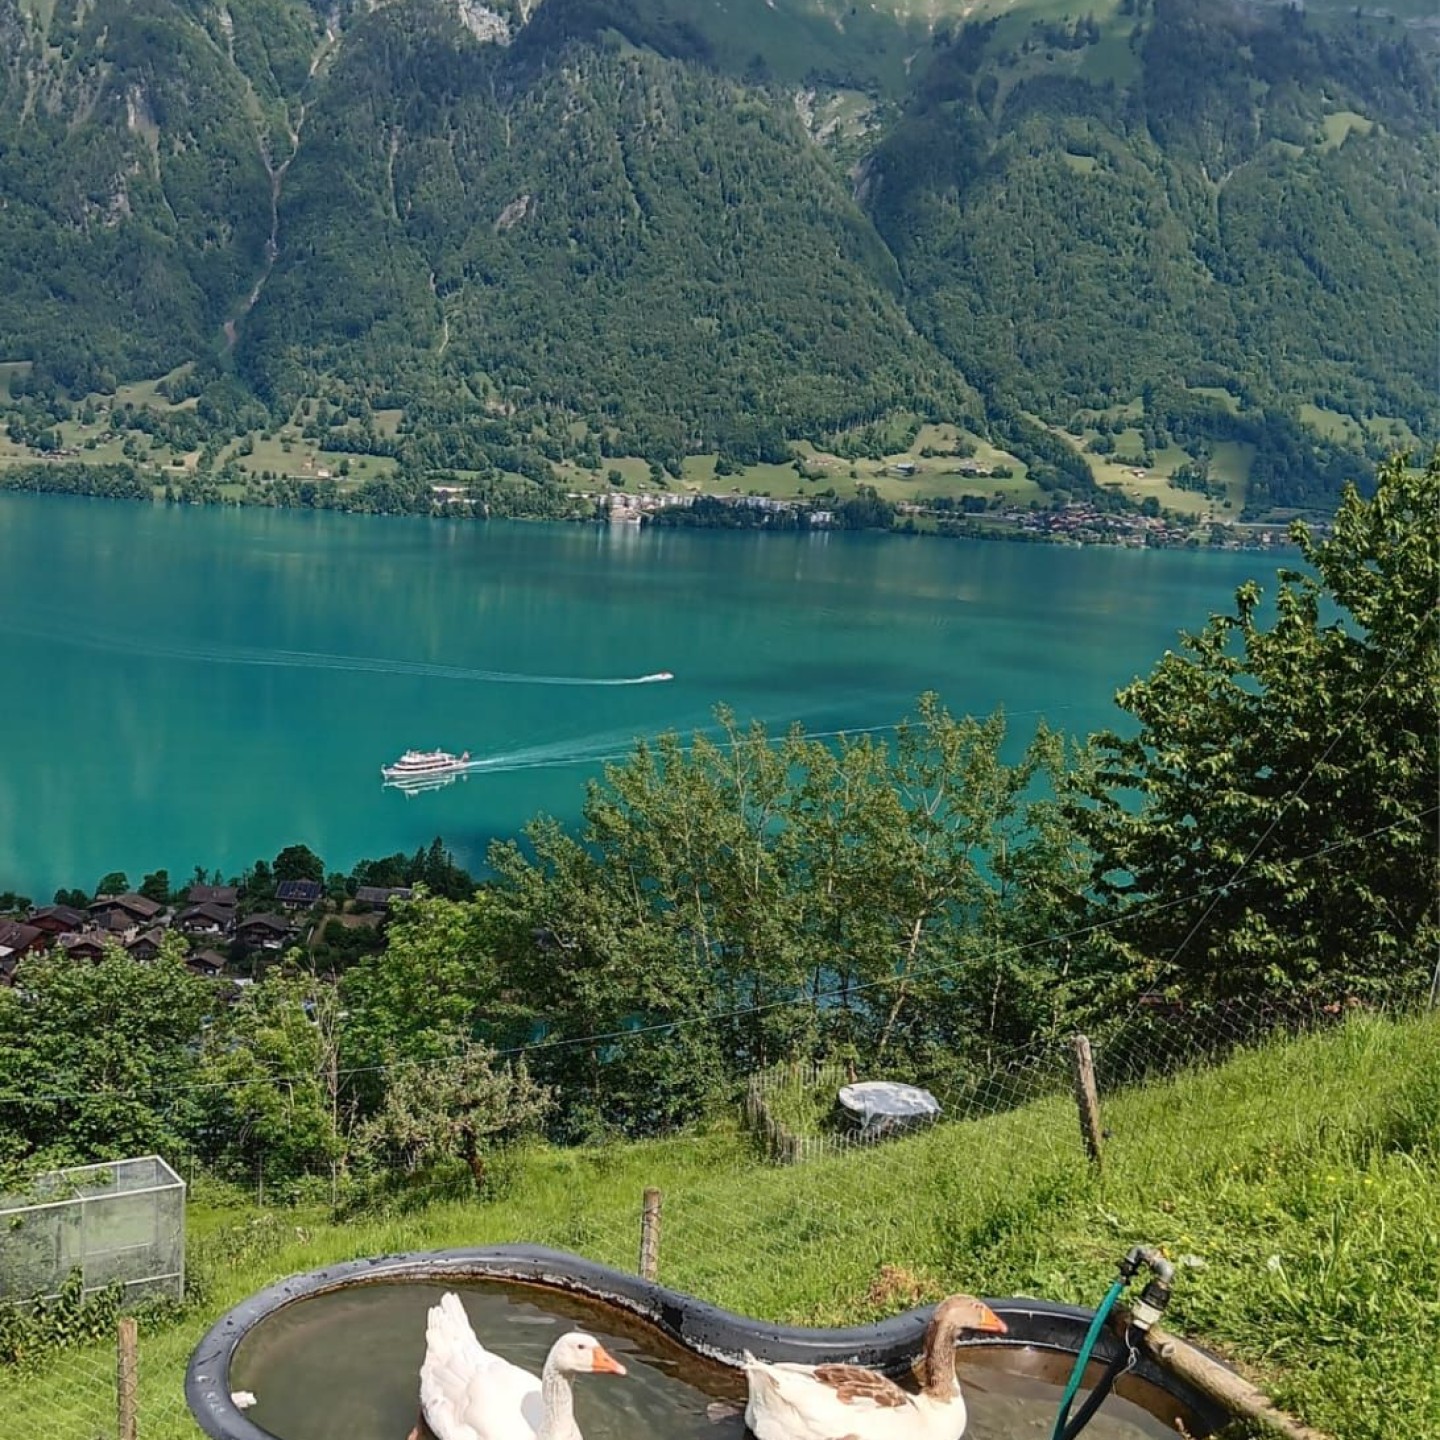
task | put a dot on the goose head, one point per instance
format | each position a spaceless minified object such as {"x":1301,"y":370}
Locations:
{"x":957,"y":1313}
{"x":579,"y":1354}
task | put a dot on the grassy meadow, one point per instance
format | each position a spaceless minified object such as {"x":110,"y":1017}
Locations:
{"x":1297,"y":1186}
{"x":917,"y":470}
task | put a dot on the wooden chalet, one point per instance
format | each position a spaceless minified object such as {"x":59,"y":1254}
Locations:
{"x":207,"y":918}
{"x":18,"y":939}
{"x":89,"y":945}
{"x":136,"y":909}
{"x":56,"y":920}
{"x":146,"y":945}
{"x":299,"y":894}
{"x":209,"y":963}
{"x":381,"y":897}
{"x":264,"y":932}
{"x":212,"y":895}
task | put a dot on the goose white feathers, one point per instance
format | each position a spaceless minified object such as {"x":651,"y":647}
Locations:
{"x":827,"y":1402}
{"x":468,"y":1393}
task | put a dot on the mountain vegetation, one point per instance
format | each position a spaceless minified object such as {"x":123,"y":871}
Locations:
{"x":632,"y":228}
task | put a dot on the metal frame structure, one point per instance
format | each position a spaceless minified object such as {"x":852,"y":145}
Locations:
{"x":119,"y":1221}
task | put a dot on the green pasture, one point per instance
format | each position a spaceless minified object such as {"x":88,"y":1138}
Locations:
{"x":1296,"y":1186}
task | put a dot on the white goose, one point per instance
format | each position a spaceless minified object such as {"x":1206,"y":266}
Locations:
{"x":827,"y":1402}
{"x":466,"y":1393}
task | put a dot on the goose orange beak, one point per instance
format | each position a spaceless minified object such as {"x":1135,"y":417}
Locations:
{"x":987,"y":1321}
{"x":604,"y":1363}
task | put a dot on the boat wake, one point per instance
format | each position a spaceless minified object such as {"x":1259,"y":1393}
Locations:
{"x":318,"y":660}
{"x":614,"y":747}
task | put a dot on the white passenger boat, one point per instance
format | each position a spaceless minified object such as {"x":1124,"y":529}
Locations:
{"x":425,"y":765}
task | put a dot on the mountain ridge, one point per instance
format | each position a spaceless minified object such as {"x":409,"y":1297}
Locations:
{"x":605,"y":210}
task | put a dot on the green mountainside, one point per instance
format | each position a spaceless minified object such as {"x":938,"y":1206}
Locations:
{"x":633,"y":239}
{"x":668,"y":227}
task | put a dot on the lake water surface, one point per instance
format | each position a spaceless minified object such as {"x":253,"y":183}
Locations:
{"x":204,"y":686}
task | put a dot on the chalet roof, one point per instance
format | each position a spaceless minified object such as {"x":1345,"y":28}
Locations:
{"x":16,"y":935}
{"x":382,"y":894}
{"x":211,"y":962}
{"x":152,"y":937}
{"x":207,"y":910}
{"x":303,"y":892}
{"x":68,"y":915}
{"x":276,"y":923}
{"x":212,"y":895}
{"x":91,"y":941}
{"x":141,"y":906}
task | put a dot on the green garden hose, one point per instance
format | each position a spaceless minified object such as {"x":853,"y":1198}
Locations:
{"x":1083,"y":1358}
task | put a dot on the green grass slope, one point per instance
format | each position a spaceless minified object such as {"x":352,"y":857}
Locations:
{"x":1298,"y":1184}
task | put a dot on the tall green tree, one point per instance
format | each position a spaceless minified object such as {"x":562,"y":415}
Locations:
{"x":432,"y":981}
{"x":739,"y":901}
{"x":156,"y":887}
{"x":298,"y":862}
{"x":98,"y":1061}
{"x":272,"y":1093}
{"x":1269,"y":829}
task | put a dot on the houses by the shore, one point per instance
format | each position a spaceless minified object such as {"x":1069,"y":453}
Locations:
{"x":211,"y":921}
{"x":227,"y":935}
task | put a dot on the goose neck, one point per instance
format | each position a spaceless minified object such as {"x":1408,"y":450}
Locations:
{"x":557,"y":1401}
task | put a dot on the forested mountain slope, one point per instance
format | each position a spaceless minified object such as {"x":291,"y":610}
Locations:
{"x":694,"y":227}
{"x":1216,"y":220}
{"x":627,"y":236}
{"x":135,"y":137}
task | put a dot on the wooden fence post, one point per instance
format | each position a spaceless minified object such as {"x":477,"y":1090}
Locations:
{"x":650,"y":1235}
{"x":1087,"y":1099}
{"x":127,"y":1378}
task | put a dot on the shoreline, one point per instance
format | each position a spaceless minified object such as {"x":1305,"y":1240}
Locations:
{"x":1075,"y":524}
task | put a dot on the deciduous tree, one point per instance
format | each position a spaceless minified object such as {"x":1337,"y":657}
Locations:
{"x":1269,"y":829}
{"x":458,"y":1106}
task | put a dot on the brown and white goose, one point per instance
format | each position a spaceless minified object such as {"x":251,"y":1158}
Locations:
{"x":849,"y":1402}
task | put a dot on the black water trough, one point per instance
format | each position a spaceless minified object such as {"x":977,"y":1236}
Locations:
{"x":703,"y":1330}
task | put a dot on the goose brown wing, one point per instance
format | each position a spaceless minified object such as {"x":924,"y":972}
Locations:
{"x":862,"y":1388}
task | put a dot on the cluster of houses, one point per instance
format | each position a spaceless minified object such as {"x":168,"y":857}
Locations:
{"x":211,"y":920}
{"x":1086,"y":524}
{"x":628,"y":509}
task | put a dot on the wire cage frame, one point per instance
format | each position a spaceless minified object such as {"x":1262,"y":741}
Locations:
{"x":120,"y":1222}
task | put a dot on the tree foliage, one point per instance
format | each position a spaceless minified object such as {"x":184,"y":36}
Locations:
{"x":796,"y":897}
{"x":1269,"y":828}
{"x":271,"y":1097}
{"x":454,"y":1108}
{"x":97,"y":1061}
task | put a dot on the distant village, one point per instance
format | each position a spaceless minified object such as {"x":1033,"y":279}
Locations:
{"x":1076,"y":522}
{"x":225,"y":939}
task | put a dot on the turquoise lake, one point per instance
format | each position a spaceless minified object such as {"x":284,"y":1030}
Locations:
{"x":204,"y":686}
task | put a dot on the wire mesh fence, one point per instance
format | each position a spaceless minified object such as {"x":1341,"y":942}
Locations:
{"x":776,"y":1209}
